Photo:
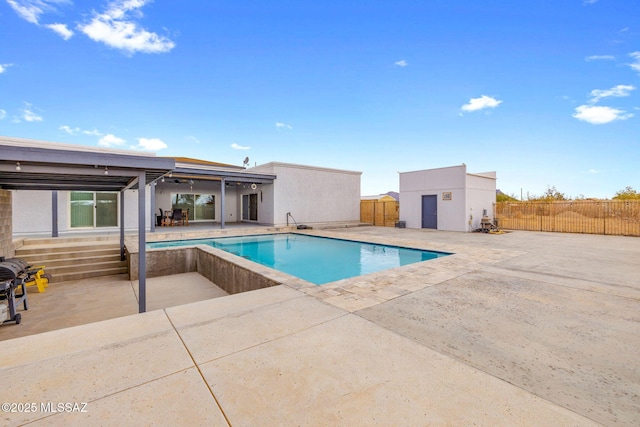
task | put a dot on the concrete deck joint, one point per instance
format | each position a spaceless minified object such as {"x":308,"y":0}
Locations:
{"x":213,"y":395}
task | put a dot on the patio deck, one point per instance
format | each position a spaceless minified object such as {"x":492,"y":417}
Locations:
{"x":523,"y":328}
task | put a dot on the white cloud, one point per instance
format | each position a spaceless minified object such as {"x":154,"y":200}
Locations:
{"x":31,"y":10}
{"x":3,"y":67}
{"x":600,"y":58}
{"x":61,"y":30}
{"x":598,"y":115}
{"x":28,"y":114}
{"x":589,"y":1}
{"x":401,"y":63}
{"x":239,"y":147}
{"x":283,"y":126}
{"x":77,"y":130}
{"x":481,"y":103}
{"x":193,"y":139}
{"x":150,"y":144}
{"x":69,"y":130}
{"x":635,"y":65}
{"x":116,"y":29}
{"x":111,"y":140}
{"x":615,"y":92}
{"x":3,"y":114}
{"x":593,"y":171}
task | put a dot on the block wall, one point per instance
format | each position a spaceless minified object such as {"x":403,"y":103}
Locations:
{"x":6,"y":232}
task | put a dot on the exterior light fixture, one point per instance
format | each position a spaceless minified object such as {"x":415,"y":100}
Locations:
{"x":106,"y":171}
{"x":18,"y":168}
{"x":162,"y":180}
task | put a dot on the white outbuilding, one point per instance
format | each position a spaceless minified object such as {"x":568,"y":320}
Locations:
{"x":447,"y":198}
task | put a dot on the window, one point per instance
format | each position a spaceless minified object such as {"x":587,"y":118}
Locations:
{"x":205,"y":207}
{"x":88,"y":209}
{"x":202,"y":207}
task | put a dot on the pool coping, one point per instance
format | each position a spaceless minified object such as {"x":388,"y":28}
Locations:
{"x":355,"y":293}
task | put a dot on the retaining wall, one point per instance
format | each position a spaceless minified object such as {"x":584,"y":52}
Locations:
{"x":226,"y":274}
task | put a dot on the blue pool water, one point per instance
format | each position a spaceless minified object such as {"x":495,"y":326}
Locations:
{"x":317,"y":260}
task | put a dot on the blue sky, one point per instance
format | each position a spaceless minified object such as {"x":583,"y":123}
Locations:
{"x":543,"y":93}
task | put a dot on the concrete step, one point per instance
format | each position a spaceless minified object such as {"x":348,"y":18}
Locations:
{"x":76,"y":247}
{"x":44,"y":258}
{"x":56,"y":241}
{"x":84,"y":267}
{"x":74,"y":258}
{"x":65,"y":277}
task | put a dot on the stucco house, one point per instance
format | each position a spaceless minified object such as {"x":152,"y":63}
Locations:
{"x":213,"y":193}
{"x":446,"y":198}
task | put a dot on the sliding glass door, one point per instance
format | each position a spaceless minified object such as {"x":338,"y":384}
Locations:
{"x":202,"y":207}
{"x":93,"y":210}
{"x":205,"y":207}
{"x":249,"y":207}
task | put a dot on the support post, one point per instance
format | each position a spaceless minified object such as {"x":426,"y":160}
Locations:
{"x":152,"y":196}
{"x":122,"y":257}
{"x":54,"y":213}
{"x":142,"y":242}
{"x":223,"y":185}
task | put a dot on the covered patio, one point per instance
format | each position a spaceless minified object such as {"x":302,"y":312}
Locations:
{"x":30,"y":165}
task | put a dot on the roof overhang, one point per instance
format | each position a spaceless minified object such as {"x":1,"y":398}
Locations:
{"x":220,"y":173}
{"x":35,"y":165}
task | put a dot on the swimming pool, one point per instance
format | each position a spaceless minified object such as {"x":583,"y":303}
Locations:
{"x":318,"y":260}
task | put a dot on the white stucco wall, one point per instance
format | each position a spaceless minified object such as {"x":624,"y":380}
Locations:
{"x":313,"y":194}
{"x":31,"y":212}
{"x":481,"y":195}
{"x":470,"y":194}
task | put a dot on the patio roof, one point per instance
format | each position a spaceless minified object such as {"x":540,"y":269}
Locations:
{"x":35,"y":165}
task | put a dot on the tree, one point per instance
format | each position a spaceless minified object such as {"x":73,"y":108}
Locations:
{"x":627,"y":194}
{"x":550,"y":194}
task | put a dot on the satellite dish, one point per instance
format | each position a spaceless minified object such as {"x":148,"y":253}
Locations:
{"x":253,"y":186}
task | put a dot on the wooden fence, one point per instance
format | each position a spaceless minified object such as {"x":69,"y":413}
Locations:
{"x":617,"y":217}
{"x":379,"y":212}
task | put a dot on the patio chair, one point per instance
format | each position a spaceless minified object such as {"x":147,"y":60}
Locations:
{"x":176,"y":217}
{"x":165,"y":218}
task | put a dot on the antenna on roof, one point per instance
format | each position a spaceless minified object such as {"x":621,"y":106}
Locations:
{"x":245,"y":162}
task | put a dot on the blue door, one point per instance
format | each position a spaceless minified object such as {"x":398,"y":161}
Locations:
{"x":430,"y":212}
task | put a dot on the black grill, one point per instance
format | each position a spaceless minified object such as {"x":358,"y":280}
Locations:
{"x":14,"y":273}
{"x":12,"y":270}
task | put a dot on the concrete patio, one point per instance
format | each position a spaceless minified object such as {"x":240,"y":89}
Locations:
{"x":522,"y":328}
